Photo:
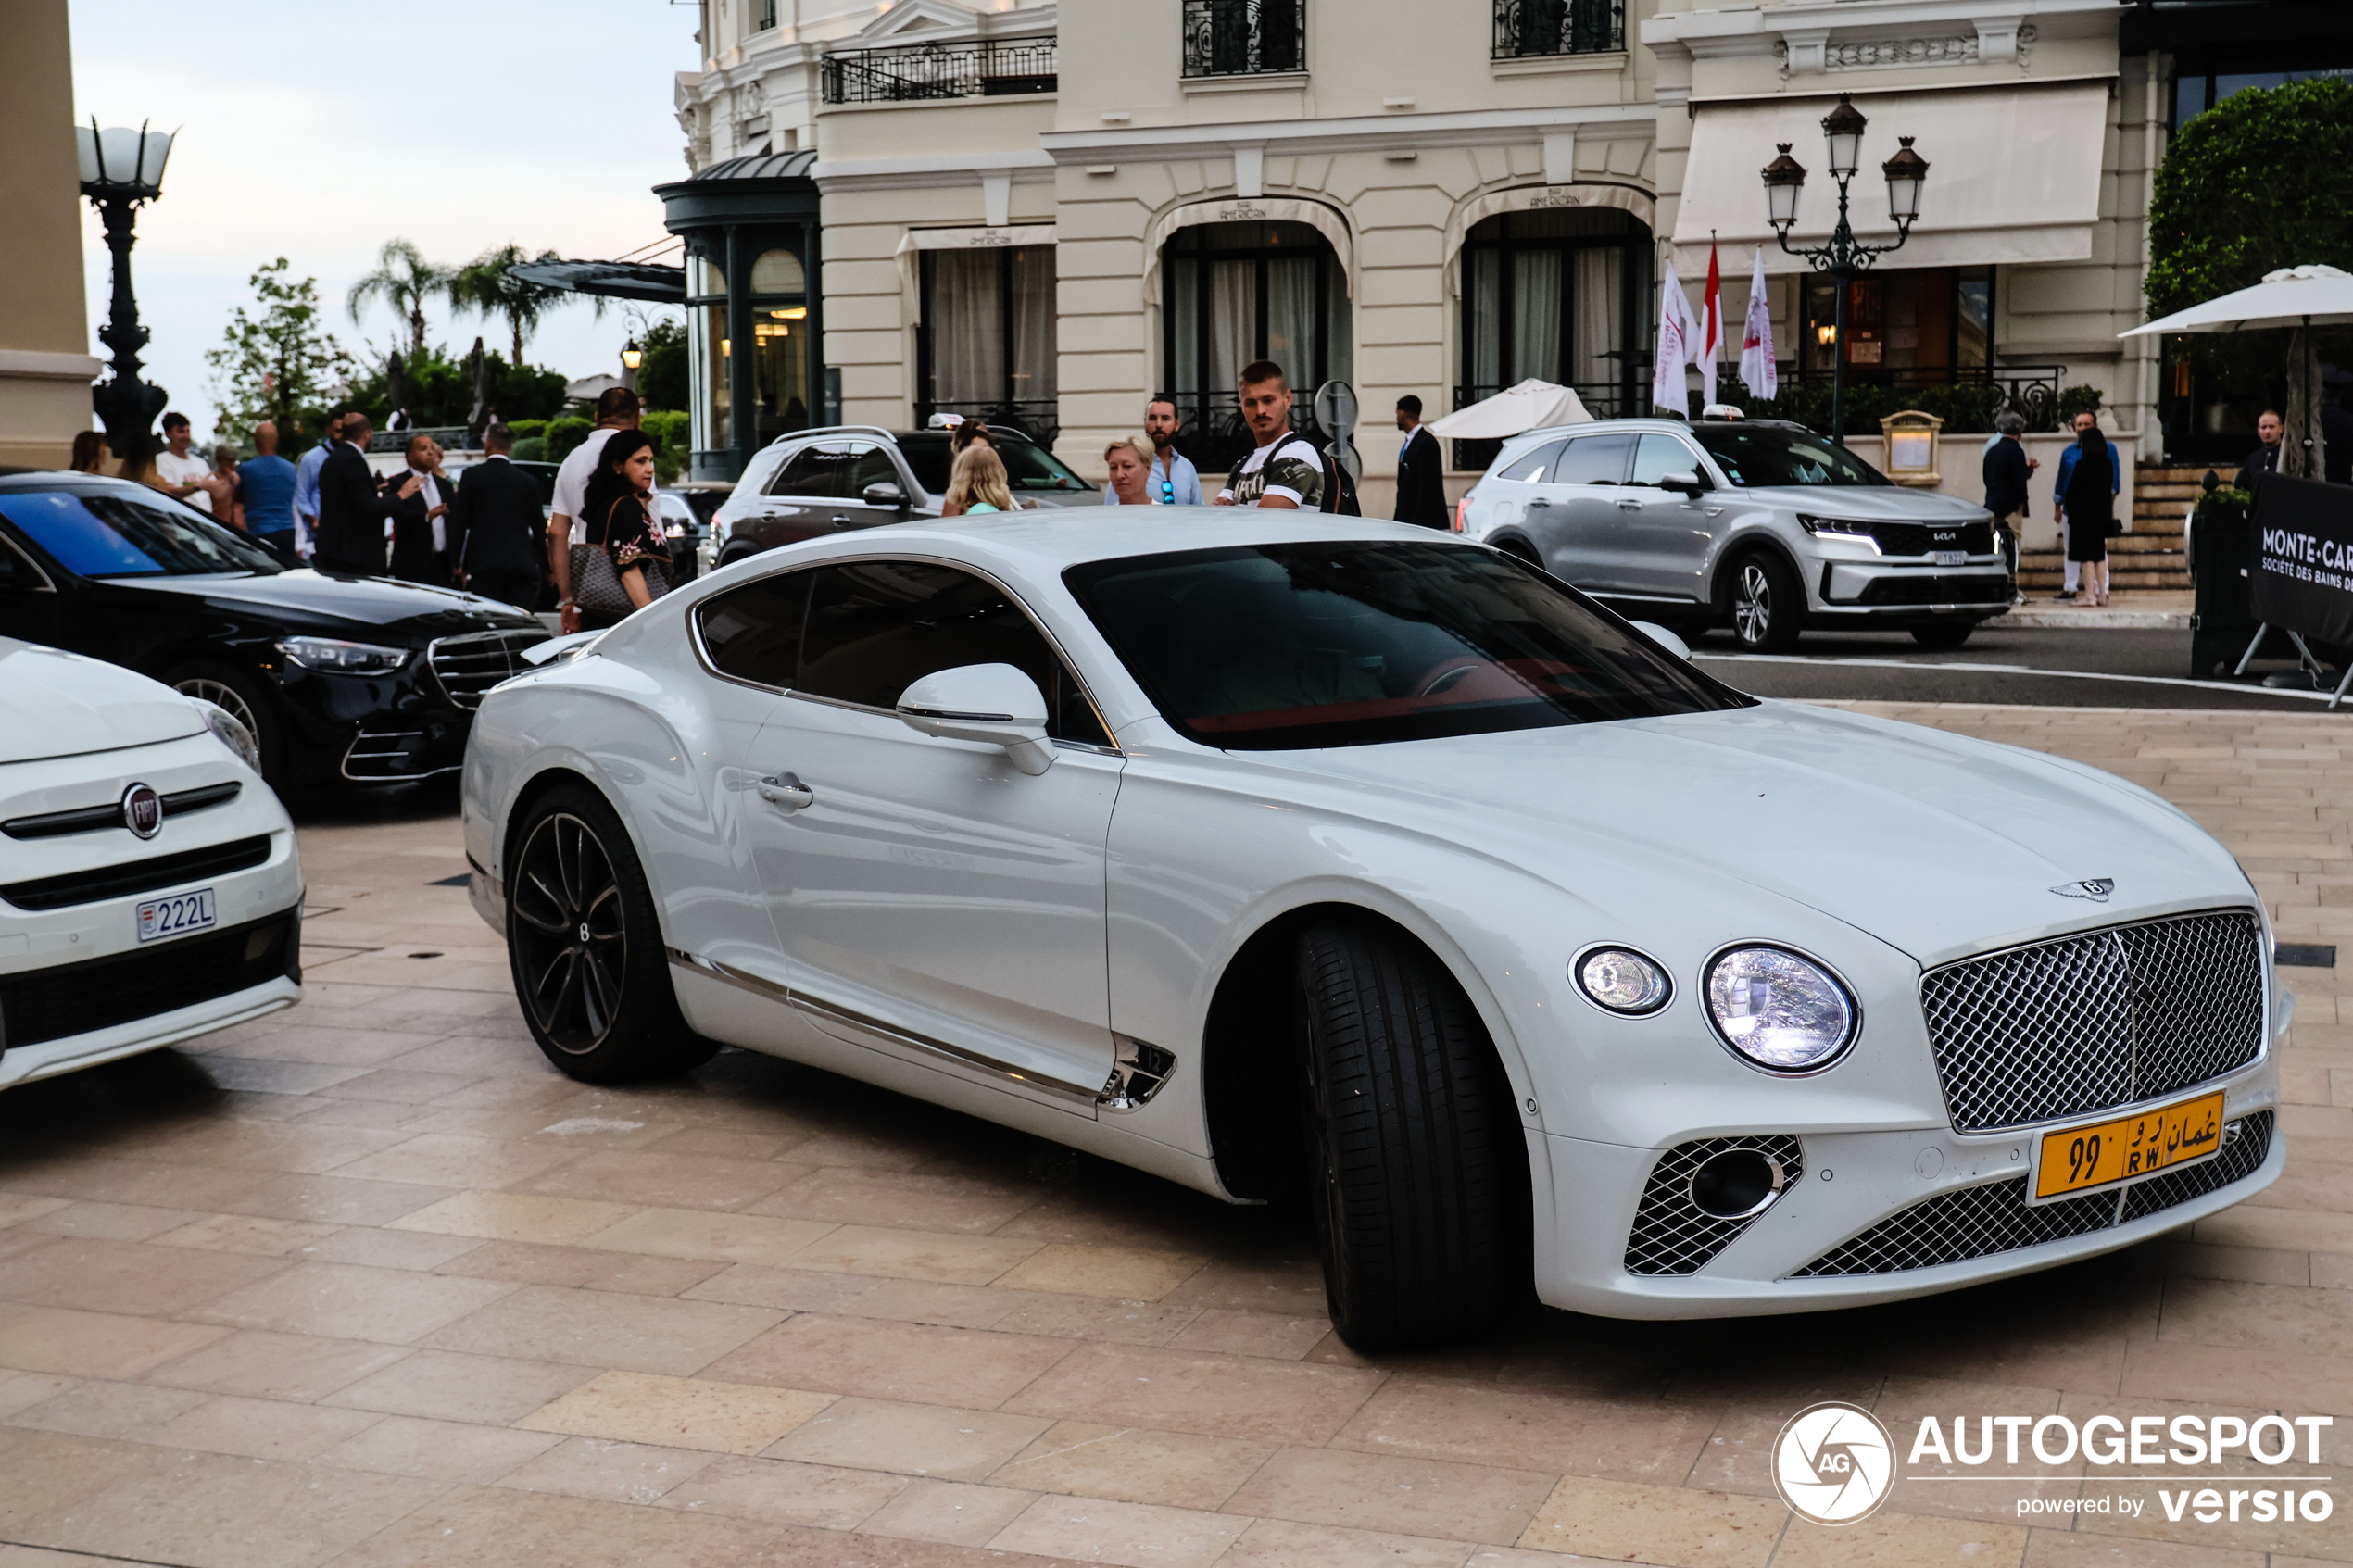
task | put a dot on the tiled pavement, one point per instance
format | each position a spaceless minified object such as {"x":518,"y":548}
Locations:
{"x":367,"y":1283}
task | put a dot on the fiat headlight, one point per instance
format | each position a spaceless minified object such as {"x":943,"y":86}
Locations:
{"x":1782,"y":1012}
{"x":1620,"y":979}
{"x":231,"y":733}
{"x":343,"y":658}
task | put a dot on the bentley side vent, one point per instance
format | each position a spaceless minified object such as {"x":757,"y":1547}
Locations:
{"x":1703,"y":1194}
{"x":1137,"y":1074}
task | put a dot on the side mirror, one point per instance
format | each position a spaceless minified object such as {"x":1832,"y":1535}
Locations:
{"x":883,"y":493}
{"x":1683,"y":480}
{"x":1663,"y":638}
{"x":993,"y":704}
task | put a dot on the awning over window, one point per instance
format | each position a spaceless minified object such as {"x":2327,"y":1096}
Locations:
{"x":2014,"y":177}
{"x":978,"y":239}
{"x":616,"y":280}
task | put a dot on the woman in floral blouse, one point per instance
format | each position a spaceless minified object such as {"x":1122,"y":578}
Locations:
{"x":620,"y":513}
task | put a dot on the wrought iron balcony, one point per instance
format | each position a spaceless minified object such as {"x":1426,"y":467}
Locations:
{"x":1532,"y":29}
{"x":986,"y":69}
{"x":1245,"y":37}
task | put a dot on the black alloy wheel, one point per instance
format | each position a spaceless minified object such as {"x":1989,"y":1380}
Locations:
{"x":241,"y":697}
{"x":1767,"y":604}
{"x":585,"y":949}
{"x":1416,"y":1164}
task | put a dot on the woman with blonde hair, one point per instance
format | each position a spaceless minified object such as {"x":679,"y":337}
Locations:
{"x":1129,"y":460}
{"x":978,"y":483}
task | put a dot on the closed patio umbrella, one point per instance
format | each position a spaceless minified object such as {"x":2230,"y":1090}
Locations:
{"x":1529,"y":406}
{"x":2298,"y":299}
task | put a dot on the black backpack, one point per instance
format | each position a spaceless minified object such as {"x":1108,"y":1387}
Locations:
{"x":1341,"y":490}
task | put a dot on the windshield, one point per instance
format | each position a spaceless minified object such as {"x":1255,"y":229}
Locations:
{"x":109,"y":533}
{"x":1027,"y":467}
{"x":1754,"y":454}
{"x":1271,"y":647}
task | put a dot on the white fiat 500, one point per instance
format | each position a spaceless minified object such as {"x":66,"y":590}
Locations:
{"x":1267,"y":851}
{"x":149,"y":888}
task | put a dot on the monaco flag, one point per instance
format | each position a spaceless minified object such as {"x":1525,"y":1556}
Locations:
{"x":1758,"y":372}
{"x":1678,"y":346}
{"x":1711,"y":330}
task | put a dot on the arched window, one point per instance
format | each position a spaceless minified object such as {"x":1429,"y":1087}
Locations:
{"x":1232,"y":293}
{"x":1556,"y":295}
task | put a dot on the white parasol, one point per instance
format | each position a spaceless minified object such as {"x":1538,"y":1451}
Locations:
{"x":1529,"y":404}
{"x":2296,"y":297}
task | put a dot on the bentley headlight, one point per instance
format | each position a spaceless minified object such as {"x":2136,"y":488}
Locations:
{"x":343,"y":658}
{"x":232,"y":734}
{"x":1621,"y":979}
{"x":1782,"y":1012}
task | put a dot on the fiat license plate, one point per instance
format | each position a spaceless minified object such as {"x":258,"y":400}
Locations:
{"x":1949,"y":558}
{"x":2106,"y":1154}
{"x":177,"y":915}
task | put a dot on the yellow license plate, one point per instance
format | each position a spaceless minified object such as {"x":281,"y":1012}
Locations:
{"x":2078,"y":1160}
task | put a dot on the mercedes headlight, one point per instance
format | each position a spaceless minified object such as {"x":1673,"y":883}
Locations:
{"x":674,"y":531}
{"x":1782,"y":1012}
{"x":342,"y":658}
{"x":231,"y":733}
{"x":1621,"y":980}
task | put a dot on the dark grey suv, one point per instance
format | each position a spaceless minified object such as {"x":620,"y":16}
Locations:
{"x":1757,"y":523}
{"x":837,"y":478}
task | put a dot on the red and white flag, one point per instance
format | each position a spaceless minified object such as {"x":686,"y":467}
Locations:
{"x":1677,"y":344}
{"x":1759,"y":373}
{"x":1711,"y":330}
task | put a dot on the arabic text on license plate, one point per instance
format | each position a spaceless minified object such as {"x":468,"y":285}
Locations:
{"x":2078,"y":1160}
{"x":177,"y":915}
{"x":1950,"y":558}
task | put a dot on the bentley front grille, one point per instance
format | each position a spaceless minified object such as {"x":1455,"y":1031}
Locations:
{"x":2054,"y":1029}
{"x":470,"y":665}
{"x":1672,"y":1234}
{"x":1976,"y":1221}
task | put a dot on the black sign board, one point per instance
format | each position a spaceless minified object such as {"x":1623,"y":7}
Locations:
{"x":2301,"y":577}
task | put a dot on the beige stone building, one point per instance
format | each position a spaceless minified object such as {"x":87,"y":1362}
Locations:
{"x":1053,"y":212}
{"x":45,"y":364}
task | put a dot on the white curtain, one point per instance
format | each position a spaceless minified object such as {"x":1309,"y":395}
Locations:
{"x":1600,"y":314}
{"x":1294,"y":335}
{"x":1487,"y":320}
{"x":1233,"y":322}
{"x":966,"y":314}
{"x":1535,"y":315}
{"x":1182,"y":374}
{"x":1033,"y":322}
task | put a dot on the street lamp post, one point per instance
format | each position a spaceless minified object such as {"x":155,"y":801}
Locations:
{"x":1844,"y":257}
{"x":633,"y":358}
{"x":121,"y":169}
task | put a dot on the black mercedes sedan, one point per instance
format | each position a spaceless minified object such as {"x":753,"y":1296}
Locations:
{"x":361,"y":679}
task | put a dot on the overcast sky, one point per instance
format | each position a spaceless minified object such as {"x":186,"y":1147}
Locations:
{"x":318,"y":131}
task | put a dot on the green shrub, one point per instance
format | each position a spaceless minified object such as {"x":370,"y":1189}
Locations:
{"x":564,"y":434}
{"x":525,"y":429}
{"x":669,"y":429}
{"x":2077,"y":400}
{"x":531,"y":449}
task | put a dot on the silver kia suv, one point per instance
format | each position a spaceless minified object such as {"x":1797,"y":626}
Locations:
{"x":1757,"y":523}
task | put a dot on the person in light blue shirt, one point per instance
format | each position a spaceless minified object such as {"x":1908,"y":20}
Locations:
{"x":265,"y":489}
{"x":305,"y":487}
{"x":2059,"y":498}
{"x":1172,"y":480}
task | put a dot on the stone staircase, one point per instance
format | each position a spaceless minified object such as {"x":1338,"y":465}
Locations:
{"x":2153,"y":554}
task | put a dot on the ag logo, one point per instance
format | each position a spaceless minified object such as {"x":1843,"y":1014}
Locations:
{"x":1833,"y":1463}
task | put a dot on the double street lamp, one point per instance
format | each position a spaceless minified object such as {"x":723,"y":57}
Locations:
{"x":121,"y":169}
{"x":1845,"y":257}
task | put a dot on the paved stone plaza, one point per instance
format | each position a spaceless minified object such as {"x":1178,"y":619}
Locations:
{"x":368,"y":1282}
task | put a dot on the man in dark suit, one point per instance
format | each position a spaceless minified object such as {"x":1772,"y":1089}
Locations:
{"x":1421,"y":470}
{"x":352,"y":512}
{"x":420,"y":522}
{"x":495,"y":525}
{"x":2265,"y":459}
{"x":2006,"y":469}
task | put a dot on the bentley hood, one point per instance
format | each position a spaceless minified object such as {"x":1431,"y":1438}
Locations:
{"x":1937,"y":843}
{"x":54,"y":704}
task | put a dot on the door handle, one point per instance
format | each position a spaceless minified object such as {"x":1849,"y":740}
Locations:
{"x":1539,"y":501}
{"x":843,"y":520}
{"x":788,"y":791}
{"x":1629,"y":506}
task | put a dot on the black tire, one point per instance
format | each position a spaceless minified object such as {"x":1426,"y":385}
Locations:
{"x":242,"y":696}
{"x":1416,"y":1169}
{"x":1943,"y":635}
{"x":585,"y":949}
{"x":1767,"y":604}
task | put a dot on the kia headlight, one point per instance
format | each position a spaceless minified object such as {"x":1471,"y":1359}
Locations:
{"x":342,"y":658}
{"x":1848,"y":529}
{"x":1620,"y":979}
{"x":230,"y":732}
{"x":1782,"y":1012}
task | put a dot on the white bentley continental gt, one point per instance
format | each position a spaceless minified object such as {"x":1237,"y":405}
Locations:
{"x":1275,"y":852}
{"x":149,"y":887}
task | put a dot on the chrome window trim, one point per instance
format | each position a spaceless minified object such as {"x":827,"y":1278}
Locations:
{"x":47,"y":585}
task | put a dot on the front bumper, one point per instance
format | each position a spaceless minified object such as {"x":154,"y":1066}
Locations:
{"x":1851,"y":1183}
{"x":1879,"y":591}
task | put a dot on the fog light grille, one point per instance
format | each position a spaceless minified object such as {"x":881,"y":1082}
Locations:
{"x":1673,"y":1234}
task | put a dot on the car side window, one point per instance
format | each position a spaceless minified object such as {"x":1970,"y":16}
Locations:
{"x":1658,"y":456}
{"x":876,"y":627}
{"x":18,"y":574}
{"x":1592,"y":460}
{"x":1532,"y":467}
{"x":753,"y":632}
{"x":813,"y":471}
{"x":871,"y":464}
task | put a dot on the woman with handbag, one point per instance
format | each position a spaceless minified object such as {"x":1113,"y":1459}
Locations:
{"x":621,"y":566}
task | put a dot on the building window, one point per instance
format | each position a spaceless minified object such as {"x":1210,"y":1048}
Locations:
{"x":989,"y":68}
{"x":776,"y":285}
{"x":1232,"y":293}
{"x":1245,"y":37}
{"x":1525,"y":29}
{"x":2194,"y":94}
{"x":986,"y":345}
{"x":764,"y":15}
{"x":1923,"y":326}
{"x":1554,"y":297}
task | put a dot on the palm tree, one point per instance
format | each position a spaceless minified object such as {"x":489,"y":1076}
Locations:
{"x":403,"y":280}
{"x":487,"y":287}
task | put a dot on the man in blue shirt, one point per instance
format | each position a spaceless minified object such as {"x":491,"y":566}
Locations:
{"x":2058,"y":496}
{"x":266,"y":487}
{"x":1172,"y":482}
{"x":305,"y":488}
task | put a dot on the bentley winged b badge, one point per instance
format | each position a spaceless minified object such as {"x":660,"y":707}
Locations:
{"x":2095,"y":888}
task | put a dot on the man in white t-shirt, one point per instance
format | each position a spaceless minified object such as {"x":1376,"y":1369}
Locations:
{"x":1283,"y":470}
{"x":617,"y":409}
{"x":182,"y":472}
